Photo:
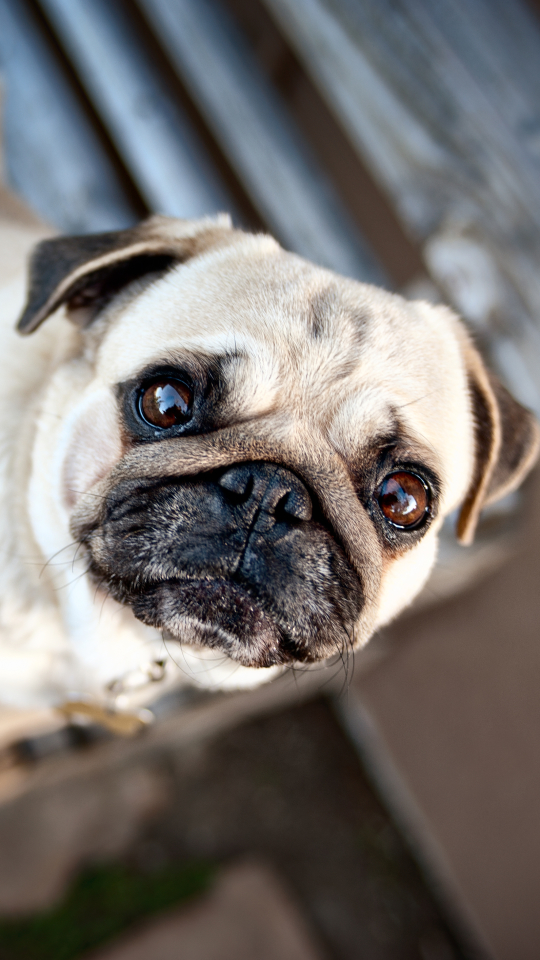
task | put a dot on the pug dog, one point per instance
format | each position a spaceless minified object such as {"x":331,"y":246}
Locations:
{"x":220,"y":461}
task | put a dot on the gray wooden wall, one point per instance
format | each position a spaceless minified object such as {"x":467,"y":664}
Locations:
{"x":392,"y":141}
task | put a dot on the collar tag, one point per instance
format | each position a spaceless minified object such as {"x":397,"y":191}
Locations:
{"x":124,"y":723}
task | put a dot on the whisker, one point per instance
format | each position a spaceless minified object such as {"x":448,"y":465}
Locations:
{"x":417,"y":400}
{"x":54,"y":555}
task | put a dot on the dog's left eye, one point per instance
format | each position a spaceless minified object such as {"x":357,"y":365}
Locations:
{"x":404,"y":499}
{"x":166,"y":403}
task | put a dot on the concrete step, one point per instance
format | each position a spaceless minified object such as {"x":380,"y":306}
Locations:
{"x":249,"y":914}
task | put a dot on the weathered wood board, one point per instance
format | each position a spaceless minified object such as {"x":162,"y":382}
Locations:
{"x":251,"y":124}
{"x":53,"y":157}
{"x":151,"y":133}
{"x":441,"y":99}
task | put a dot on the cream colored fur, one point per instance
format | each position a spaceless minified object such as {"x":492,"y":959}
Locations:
{"x":60,"y":637}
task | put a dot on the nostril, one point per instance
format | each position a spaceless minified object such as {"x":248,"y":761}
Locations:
{"x":297,"y":504}
{"x":238,"y":481}
{"x":274,"y":490}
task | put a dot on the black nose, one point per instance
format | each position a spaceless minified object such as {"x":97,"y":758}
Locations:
{"x":269,"y":487}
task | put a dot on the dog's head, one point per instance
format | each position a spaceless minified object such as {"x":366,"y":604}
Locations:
{"x":257,"y":454}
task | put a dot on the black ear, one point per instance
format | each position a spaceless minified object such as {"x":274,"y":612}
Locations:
{"x":507,"y":442}
{"x":87,"y":271}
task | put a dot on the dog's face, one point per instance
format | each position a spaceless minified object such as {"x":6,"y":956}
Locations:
{"x":257,"y":454}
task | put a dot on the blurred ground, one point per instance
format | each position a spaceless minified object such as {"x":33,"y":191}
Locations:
{"x":246,"y":914}
{"x":286,"y":791}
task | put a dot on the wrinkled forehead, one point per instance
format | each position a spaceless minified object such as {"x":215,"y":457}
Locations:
{"x":249,"y":296}
{"x":335,"y":351}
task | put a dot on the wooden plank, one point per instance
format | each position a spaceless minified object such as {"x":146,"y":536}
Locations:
{"x":441,"y":99}
{"x":151,"y":132}
{"x":253,"y":128}
{"x":54,"y":158}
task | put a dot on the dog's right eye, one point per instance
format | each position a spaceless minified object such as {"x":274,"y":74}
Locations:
{"x":166,"y":403}
{"x":404,"y":499}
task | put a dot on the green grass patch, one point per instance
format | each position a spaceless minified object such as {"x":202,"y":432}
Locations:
{"x":101,"y":903}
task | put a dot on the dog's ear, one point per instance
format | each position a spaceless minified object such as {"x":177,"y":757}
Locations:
{"x":87,"y":271}
{"x":507,"y":441}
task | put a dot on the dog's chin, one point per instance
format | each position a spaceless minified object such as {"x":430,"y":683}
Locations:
{"x":214,"y":613}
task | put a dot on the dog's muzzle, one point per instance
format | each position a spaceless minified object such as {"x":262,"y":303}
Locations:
{"x":241,"y":560}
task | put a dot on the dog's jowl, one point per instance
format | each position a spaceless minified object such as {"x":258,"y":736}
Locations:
{"x":225,"y":460}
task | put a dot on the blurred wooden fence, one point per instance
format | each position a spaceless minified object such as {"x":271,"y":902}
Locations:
{"x":283,"y":111}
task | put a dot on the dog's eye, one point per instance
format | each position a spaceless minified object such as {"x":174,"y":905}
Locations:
{"x":166,"y":403}
{"x":404,"y":499}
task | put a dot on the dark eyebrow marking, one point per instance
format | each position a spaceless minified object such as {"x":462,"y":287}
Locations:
{"x":318,"y":323}
{"x":327,"y":306}
{"x":323,"y":306}
{"x":395,"y":443}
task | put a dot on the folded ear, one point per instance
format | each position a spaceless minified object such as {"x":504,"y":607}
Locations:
{"x":507,"y":439}
{"x":87,"y":271}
